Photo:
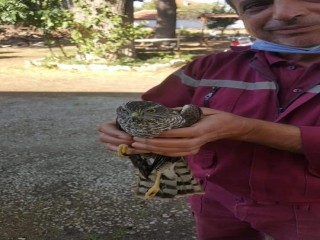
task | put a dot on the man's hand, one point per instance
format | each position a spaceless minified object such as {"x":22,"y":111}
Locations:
{"x":216,"y":125}
{"x":112,"y":137}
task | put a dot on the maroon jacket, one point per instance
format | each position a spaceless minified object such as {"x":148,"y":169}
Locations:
{"x":248,"y":83}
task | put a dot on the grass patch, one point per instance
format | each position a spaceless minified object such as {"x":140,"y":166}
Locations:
{"x":143,"y":58}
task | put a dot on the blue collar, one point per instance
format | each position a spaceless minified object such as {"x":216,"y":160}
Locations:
{"x":273,"y":47}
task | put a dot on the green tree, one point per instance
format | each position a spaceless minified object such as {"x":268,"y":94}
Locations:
{"x":50,"y":17}
{"x":12,"y":11}
{"x":103,"y":29}
{"x":47,"y":15}
{"x":98,"y":27}
{"x":222,"y":23}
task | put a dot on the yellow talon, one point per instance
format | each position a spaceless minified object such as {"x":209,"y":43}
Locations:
{"x":152,"y":192}
{"x":122,"y":150}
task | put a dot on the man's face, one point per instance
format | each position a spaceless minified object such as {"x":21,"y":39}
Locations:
{"x":289,"y":22}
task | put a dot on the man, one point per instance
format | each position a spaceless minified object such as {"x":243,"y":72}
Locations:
{"x":256,"y":151}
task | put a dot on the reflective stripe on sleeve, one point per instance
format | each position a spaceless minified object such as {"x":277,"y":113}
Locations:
{"x":315,"y":89}
{"x":224,"y":83}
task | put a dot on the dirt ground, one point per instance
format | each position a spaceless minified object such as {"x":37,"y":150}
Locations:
{"x":17,"y":76}
{"x":57,"y":182}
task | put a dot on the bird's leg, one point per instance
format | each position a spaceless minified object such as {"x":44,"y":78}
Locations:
{"x":122,"y":150}
{"x":155,"y":188}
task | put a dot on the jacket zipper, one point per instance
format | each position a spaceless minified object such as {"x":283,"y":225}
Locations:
{"x":206,"y":100}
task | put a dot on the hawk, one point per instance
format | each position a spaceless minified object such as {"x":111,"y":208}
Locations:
{"x":161,"y":176}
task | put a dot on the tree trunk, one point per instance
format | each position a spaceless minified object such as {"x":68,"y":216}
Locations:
{"x":125,"y":8}
{"x":119,"y":7}
{"x":166,"y":19}
{"x":129,"y":11}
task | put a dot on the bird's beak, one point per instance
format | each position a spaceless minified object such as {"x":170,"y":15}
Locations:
{"x":135,"y":115}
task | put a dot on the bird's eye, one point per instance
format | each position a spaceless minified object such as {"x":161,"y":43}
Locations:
{"x":151,"y":110}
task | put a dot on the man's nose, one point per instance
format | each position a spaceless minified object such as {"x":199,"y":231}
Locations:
{"x":285,"y":10}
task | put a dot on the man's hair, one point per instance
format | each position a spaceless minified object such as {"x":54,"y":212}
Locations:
{"x":230,"y":3}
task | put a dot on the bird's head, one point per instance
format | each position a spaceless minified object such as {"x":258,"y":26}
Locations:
{"x":147,"y":119}
{"x":141,"y":111}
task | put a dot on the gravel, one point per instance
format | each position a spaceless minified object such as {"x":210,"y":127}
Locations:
{"x":58,"y":182}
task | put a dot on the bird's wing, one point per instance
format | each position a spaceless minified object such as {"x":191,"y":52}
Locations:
{"x":191,"y":114}
{"x":141,"y":162}
{"x":160,"y":162}
{"x":146,"y":163}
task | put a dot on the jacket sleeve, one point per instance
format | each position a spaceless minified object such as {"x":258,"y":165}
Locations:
{"x":310,"y":136}
{"x":171,"y":92}
{"x":174,"y":91}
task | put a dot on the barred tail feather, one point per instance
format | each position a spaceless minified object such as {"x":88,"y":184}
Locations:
{"x":176,"y":181}
{"x":186,"y":184}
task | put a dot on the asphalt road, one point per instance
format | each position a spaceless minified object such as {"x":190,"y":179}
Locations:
{"x":58,"y":182}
